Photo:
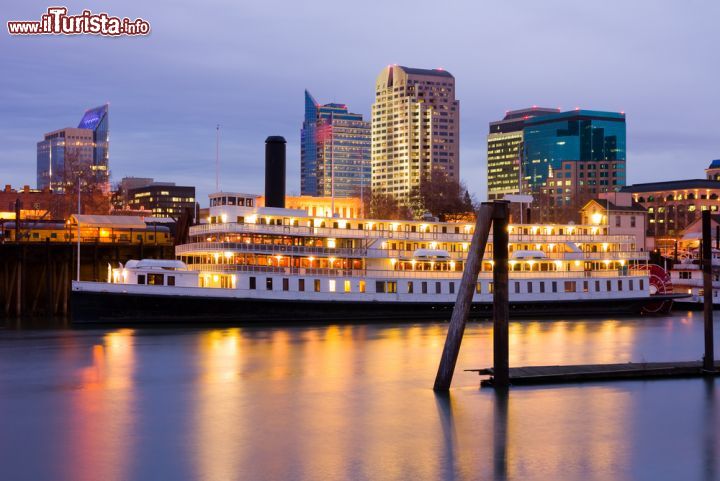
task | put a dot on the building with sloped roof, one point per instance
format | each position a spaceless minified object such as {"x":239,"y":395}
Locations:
{"x":620,"y":214}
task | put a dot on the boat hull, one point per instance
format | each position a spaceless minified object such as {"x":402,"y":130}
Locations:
{"x":90,"y":307}
{"x":692,"y":306}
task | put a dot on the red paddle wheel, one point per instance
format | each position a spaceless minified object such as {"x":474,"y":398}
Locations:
{"x":660,"y":283}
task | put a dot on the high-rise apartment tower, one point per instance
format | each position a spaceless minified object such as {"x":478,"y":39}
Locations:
{"x":415,"y":129}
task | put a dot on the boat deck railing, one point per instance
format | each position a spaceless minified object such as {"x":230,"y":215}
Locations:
{"x":407,"y":274}
{"x":463,"y":236}
{"x":270,"y":248}
{"x":281,"y":249}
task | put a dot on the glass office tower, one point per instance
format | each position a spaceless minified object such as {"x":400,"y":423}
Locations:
{"x":97,"y":120}
{"x":335,"y":151}
{"x":62,"y":153}
{"x":572,"y":156}
{"x":504,"y":142}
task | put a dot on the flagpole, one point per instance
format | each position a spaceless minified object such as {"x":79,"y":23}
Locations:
{"x":77,"y":217}
{"x":217,"y":158}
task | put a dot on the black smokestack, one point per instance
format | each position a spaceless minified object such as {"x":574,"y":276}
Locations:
{"x":275,"y":171}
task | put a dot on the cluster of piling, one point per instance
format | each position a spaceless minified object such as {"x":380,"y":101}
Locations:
{"x":35,"y":277}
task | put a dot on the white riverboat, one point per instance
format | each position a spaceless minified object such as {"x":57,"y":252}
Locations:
{"x":247,"y":263}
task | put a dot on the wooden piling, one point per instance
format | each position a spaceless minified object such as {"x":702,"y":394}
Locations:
{"x":10,"y":287}
{"x":444,"y":376}
{"x":49,"y":280}
{"x":709,"y":358}
{"x":95,"y":264}
{"x":65,"y":288}
{"x":501,"y":300}
{"x":38,"y":290}
{"x":19,"y":286}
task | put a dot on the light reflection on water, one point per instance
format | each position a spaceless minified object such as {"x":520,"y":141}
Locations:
{"x":348,"y":402}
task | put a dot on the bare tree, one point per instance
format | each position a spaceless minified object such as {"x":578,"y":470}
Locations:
{"x":443,"y":197}
{"x":384,"y":206}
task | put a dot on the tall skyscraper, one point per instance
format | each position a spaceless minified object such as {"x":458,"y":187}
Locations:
{"x":503,"y":150}
{"x":335,"y":151}
{"x":98,"y":121}
{"x":415,"y":128}
{"x":64,"y":152}
{"x":570,"y":157}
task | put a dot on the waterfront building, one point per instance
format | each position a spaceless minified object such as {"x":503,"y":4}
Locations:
{"x":504,"y":149}
{"x":620,"y":214}
{"x":65,"y":153}
{"x":94,"y":229}
{"x":335,"y":151}
{"x":571,"y":157}
{"x":415,"y":129}
{"x":34,"y":203}
{"x":675,"y":204}
{"x":163,"y":199}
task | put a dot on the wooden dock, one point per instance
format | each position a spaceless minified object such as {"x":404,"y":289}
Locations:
{"x":600,"y":372}
{"x":502,"y":376}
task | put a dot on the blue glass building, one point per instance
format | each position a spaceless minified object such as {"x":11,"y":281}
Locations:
{"x":335,"y":151}
{"x":570,"y":157}
{"x":98,"y":121}
{"x":578,"y":135}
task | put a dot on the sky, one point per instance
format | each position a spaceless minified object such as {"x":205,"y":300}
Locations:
{"x":244,"y":65}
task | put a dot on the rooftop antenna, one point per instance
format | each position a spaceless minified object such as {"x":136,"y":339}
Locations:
{"x":217,"y":159}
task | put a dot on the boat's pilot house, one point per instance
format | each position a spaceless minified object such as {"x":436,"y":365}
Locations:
{"x":155,"y":272}
{"x":230,"y":198}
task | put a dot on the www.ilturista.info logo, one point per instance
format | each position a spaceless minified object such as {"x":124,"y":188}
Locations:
{"x":57,"y":22}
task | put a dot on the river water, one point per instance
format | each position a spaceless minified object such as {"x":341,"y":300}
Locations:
{"x":349,"y":402}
